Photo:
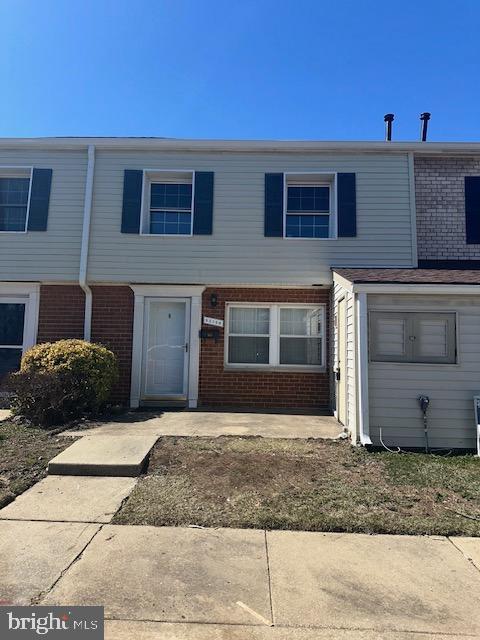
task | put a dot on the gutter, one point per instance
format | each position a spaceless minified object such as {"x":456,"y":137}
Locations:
{"x":305,"y":146}
{"x":87,"y":215}
{"x":416,"y":288}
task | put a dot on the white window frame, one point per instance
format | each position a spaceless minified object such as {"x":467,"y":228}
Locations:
{"x":274,"y":336}
{"x":155,"y":176}
{"x":19,"y":172}
{"x":312,"y":179}
{"x":413,"y":362}
{"x":28,"y":294}
{"x":141,"y":294}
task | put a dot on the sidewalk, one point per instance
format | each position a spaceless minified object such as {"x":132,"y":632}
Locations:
{"x":182,"y":583}
{"x":190,"y":583}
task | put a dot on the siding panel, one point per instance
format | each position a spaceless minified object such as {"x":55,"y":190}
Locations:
{"x":394,"y":388}
{"x":51,"y":255}
{"x":238,"y":252}
{"x":338,"y":293}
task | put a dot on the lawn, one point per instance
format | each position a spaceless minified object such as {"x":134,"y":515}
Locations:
{"x":312,"y":485}
{"x":24,"y":455}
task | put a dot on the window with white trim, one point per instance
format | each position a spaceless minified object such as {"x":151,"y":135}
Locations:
{"x":12,"y":323}
{"x":413,"y":337}
{"x":14,"y":199}
{"x":168,"y":203}
{"x":309,"y":209}
{"x":276,"y":335}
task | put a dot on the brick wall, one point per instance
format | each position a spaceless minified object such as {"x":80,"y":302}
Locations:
{"x":259,"y":389}
{"x":440,"y":202}
{"x":112,"y":326}
{"x":61,"y":312}
{"x":61,"y":315}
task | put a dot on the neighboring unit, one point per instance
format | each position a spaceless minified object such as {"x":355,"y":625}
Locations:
{"x":207,"y":267}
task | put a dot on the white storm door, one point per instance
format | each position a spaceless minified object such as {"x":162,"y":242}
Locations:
{"x":166,"y":347}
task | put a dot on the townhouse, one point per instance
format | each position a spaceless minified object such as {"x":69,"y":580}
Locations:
{"x":269,"y":275}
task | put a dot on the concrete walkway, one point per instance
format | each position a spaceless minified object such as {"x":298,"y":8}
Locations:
{"x":191,"y":583}
{"x":57,"y":548}
{"x":218,"y":423}
{"x":121,"y":448}
{"x":70,"y":499}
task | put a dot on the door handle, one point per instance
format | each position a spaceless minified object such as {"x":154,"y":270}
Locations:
{"x":186,"y":347}
{"x":337,"y":375}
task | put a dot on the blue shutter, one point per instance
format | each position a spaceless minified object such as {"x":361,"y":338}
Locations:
{"x":203,"y":203}
{"x":274,"y":205}
{"x":132,"y":200}
{"x":346,"y":205}
{"x":472,"y":209}
{"x":39,"y":199}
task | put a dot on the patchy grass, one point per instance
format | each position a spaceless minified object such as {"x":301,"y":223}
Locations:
{"x":24,"y":455}
{"x":310,"y":485}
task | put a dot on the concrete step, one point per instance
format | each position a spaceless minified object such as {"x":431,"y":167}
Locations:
{"x":99,"y":455}
{"x":70,"y":499}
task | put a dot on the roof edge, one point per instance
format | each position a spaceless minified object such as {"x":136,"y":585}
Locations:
{"x":178,"y":144}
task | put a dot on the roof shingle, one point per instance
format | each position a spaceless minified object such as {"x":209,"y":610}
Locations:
{"x":410,"y":276}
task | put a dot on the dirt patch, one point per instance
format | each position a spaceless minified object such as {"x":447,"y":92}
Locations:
{"x":24,"y":455}
{"x":310,"y":485}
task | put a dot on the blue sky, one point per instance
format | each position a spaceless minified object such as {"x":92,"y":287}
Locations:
{"x":281,"y":69}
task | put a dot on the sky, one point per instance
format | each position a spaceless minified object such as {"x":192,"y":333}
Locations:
{"x":246,"y":69}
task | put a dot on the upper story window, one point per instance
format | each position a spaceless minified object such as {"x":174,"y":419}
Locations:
{"x":309,"y":210}
{"x":14,"y":199}
{"x":168,"y":203}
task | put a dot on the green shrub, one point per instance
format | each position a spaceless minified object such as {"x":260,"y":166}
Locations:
{"x":60,"y":381}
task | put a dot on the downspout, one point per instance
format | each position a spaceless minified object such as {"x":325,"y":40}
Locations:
{"x":87,"y":214}
{"x":362,"y":368}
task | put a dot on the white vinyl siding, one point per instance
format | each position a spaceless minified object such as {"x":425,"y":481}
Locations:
{"x":52,"y":255}
{"x":338,"y":293}
{"x":394,"y":387}
{"x":237,"y":251}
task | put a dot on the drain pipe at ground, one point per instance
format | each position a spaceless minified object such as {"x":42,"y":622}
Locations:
{"x":87,"y":213}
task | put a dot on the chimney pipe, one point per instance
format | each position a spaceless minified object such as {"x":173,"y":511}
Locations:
{"x":388,"y":118}
{"x":424,"y":117}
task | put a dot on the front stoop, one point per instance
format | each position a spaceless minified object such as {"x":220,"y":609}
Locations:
{"x":104,"y":456}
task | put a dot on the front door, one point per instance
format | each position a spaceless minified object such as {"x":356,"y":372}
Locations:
{"x":341,"y":362}
{"x":165,"y":355}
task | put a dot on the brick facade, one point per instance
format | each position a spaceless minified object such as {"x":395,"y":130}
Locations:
{"x":61,"y":316}
{"x":259,"y":389}
{"x":440,"y":202}
{"x":112,"y":326}
{"x":61,"y":312}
